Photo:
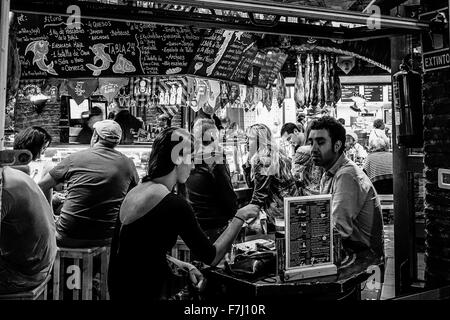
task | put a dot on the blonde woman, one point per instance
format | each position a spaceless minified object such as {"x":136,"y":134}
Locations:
{"x":268,"y":172}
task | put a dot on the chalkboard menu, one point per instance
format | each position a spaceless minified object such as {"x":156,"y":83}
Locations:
{"x":373,"y":93}
{"x":48,"y":46}
{"x":348,"y":91}
{"x":220,"y":55}
{"x":269,"y":65}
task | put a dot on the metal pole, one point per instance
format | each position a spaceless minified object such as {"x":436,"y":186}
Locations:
{"x":4,"y":31}
{"x":295,"y":10}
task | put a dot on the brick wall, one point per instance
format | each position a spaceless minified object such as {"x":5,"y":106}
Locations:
{"x":436,"y":105}
{"x":436,"y":108}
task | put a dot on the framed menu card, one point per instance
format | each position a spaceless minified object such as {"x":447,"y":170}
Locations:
{"x":309,"y":237}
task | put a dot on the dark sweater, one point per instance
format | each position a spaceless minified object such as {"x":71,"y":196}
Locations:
{"x":138,"y":268}
{"x":211,"y":195}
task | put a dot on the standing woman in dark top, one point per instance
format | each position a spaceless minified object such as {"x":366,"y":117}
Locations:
{"x":151,"y":219}
{"x":209,"y":188}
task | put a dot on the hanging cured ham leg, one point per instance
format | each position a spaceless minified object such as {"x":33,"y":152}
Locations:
{"x":320,"y":94}
{"x":326,"y":81}
{"x":299,"y":95}
{"x":281,"y":90}
{"x":307,"y":79}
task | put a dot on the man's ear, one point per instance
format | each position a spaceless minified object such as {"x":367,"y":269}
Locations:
{"x":337,"y":146}
{"x":178,"y":160}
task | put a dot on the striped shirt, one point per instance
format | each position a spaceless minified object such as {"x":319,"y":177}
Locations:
{"x":378,"y":166}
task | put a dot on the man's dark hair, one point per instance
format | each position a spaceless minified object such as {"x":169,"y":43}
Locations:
{"x":335,"y":129}
{"x":289,"y":128}
{"x":342,"y":120}
{"x":32,"y":139}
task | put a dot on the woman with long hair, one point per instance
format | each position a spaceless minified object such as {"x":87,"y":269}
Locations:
{"x":268,"y":171}
{"x":152,"y":217}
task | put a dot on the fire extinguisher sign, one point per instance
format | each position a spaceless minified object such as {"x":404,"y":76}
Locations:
{"x":435,"y":41}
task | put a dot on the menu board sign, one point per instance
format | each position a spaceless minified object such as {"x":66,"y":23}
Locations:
{"x":309,"y":237}
{"x":220,"y":54}
{"x":48,"y":47}
{"x":348,"y":91}
{"x":271,"y":63}
{"x":373,"y":93}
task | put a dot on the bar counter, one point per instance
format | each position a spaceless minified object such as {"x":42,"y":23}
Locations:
{"x":345,"y":284}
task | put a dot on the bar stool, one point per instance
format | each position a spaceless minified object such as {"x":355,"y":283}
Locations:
{"x":38,"y":293}
{"x":80,"y":280}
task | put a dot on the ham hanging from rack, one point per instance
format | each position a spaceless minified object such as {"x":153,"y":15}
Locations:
{"x":281,"y":90}
{"x":307,"y":79}
{"x":313,"y":93}
{"x":326,"y":80}
{"x":299,"y":87}
{"x":337,"y":88}
{"x":331,"y":77}
{"x":320,"y":95}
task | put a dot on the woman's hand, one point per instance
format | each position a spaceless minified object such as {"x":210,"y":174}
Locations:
{"x":195,"y":276}
{"x":249,"y":212}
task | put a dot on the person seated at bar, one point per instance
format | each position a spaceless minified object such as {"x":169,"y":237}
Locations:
{"x":27,"y":233}
{"x":378,"y":132}
{"x":353,"y":149}
{"x":209,"y":188}
{"x":356,"y":208}
{"x":378,"y":166}
{"x":268,"y":172}
{"x":293,"y":134}
{"x":89,"y":118}
{"x":151,"y":219}
{"x":36,"y":140}
{"x":98,"y":179}
{"x":307,"y":175}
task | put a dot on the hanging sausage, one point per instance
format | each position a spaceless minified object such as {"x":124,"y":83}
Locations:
{"x":320,"y":84}
{"x":326,"y":80}
{"x":331,"y":77}
{"x":299,"y":87}
{"x":281,"y":90}
{"x":337,"y":87}
{"x":314,"y":77}
{"x":307,"y":79}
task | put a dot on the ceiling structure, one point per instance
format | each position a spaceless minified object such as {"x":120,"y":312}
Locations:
{"x":332,"y":21}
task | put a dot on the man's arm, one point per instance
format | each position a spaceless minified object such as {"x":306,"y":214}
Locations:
{"x":346,"y":203}
{"x":46,"y":184}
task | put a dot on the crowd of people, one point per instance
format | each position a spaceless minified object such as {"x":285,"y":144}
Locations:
{"x":106,"y":204}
